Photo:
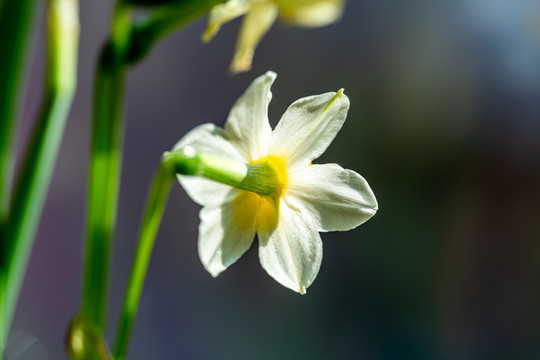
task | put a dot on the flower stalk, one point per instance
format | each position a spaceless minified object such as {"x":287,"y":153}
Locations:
{"x":185,"y":161}
{"x":155,"y":206}
{"x":261,"y":177}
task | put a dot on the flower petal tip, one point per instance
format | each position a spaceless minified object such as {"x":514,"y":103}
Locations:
{"x":267,"y":78}
{"x":208,"y":34}
{"x":339,"y":95}
{"x":242,"y":62}
{"x":270,"y":75}
{"x":214,"y":270}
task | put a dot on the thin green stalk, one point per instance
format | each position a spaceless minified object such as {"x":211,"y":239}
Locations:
{"x":41,"y":153}
{"x":155,"y":206}
{"x":106,"y":152}
{"x":16,"y":22}
{"x":103,"y":189}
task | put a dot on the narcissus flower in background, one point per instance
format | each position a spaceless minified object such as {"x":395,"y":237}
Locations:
{"x":251,"y":179}
{"x":261,"y":14}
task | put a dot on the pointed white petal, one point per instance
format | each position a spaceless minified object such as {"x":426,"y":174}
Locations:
{"x":222,"y":13}
{"x":331,"y":198}
{"x":210,"y":139}
{"x":310,"y":13}
{"x":225,"y":233}
{"x":308,"y":127}
{"x":247,"y":126}
{"x":257,"y":22}
{"x":292,"y":253}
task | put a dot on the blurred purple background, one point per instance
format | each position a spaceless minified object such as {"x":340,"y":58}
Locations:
{"x":444,"y":124}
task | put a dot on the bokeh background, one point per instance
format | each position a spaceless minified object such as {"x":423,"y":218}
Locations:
{"x":444,"y":124}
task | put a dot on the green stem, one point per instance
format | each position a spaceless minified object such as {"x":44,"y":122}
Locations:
{"x":16,"y":22}
{"x":155,"y":206}
{"x":41,"y":154}
{"x":103,"y":189}
{"x":106,"y":152}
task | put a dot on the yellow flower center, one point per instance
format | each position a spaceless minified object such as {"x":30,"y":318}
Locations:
{"x":263,"y":210}
{"x":254,"y":209}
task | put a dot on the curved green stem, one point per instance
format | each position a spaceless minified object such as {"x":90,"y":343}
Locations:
{"x":41,"y":153}
{"x":155,"y":206}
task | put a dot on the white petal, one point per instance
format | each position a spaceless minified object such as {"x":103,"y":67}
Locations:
{"x":247,"y":126}
{"x":292,"y":253}
{"x":310,"y":13}
{"x":308,"y":127}
{"x":210,"y":139}
{"x":331,"y":198}
{"x":257,"y":22}
{"x":225,"y":233}
{"x":222,"y":13}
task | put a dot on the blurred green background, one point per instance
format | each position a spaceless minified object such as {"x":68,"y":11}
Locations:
{"x":445,"y":126}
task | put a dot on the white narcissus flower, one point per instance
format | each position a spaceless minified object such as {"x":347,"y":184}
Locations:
{"x":278,"y":193}
{"x":261,"y":14}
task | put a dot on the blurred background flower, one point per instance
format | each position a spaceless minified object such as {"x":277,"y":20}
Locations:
{"x":445,"y":126}
{"x":259,"y":18}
